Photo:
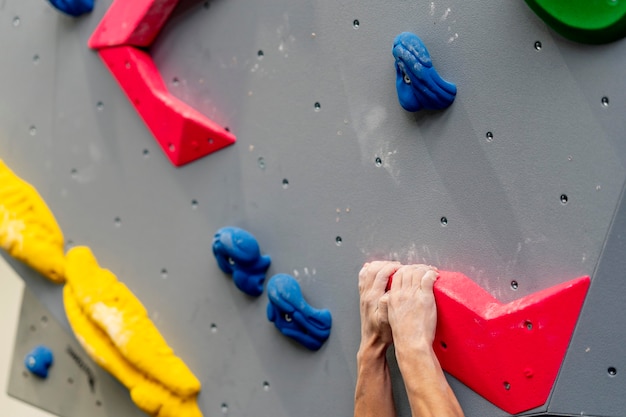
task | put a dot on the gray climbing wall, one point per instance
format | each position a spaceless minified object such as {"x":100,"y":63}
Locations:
{"x":518,"y":181}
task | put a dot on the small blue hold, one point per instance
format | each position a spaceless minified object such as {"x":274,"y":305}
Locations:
{"x":238,"y":254}
{"x":73,"y":7}
{"x":418,"y":84}
{"x":39,"y":360}
{"x":293,"y":316}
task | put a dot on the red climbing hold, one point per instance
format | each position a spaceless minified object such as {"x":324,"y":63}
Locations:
{"x":136,"y":23}
{"x":184,"y":133}
{"x":508,"y":353}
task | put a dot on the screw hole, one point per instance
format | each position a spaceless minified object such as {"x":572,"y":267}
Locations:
{"x":444,"y":345}
{"x":317,"y":106}
{"x":100,"y":106}
{"x":194,"y":204}
{"x":224,"y":408}
{"x":564,"y":198}
{"x":356,"y":24}
{"x":507,"y":386}
{"x":285,"y":183}
{"x":338,"y":241}
{"x":146,"y":153}
{"x":443,"y":221}
{"x":528,"y":325}
{"x":260,"y":54}
{"x":164,"y":273}
{"x":117,"y":221}
{"x":227,"y":129}
{"x":36,"y":59}
{"x":16,"y":21}
{"x":261,"y":162}
{"x":605,"y":101}
{"x":171,"y":147}
{"x":213,"y":328}
{"x":489,"y":136}
{"x":175,"y":81}
{"x":612,"y":371}
{"x":538,"y":45}
{"x":266,"y":385}
{"x":514,"y":285}
{"x":378,"y":161}
{"x":32,"y":130}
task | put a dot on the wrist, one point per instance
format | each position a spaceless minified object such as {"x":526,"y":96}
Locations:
{"x":415,"y":352}
{"x":372,"y":348}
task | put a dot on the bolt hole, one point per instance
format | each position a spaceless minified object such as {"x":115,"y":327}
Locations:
{"x":528,"y":325}
{"x":117,"y":221}
{"x":266,"y":386}
{"x":443,"y":345}
{"x":16,"y":21}
{"x":260,"y":54}
{"x":338,"y":241}
{"x":171,"y":147}
{"x":564,"y":199}
{"x":210,"y":141}
{"x":32,"y":130}
{"x":514,"y":285}
{"x":36,"y":59}
{"x":98,"y":403}
{"x":261,"y":162}
{"x":164,"y":273}
{"x":127,"y":64}
{"x":227,"y":129}
{"x":317,"y":106}
{"x":605,"y":101}
{"x":70,"y":381}
{"x":507,"y":386}
{"x":175,"y":81}
{"x":44,"y":319}
{"x":538,"y":45}
{"x":285,"y":183}
{"x":145,"y":153}
{"x":224,"y":408}
{"x":213,"y":328}
{"x":443,"y":221}
{"x":32,"y":328}
{"x":100,"y":106}
{"x":489,"y":136}
{"x":194,"y":204}
{"x":356,"y":24}
{"x":25,"y":374}
{"x":378,"y":161}
{"x":612,"y":371}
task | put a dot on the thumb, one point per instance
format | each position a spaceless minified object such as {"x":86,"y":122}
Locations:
{"x":383,"y":308}
{"x":428,"y":281}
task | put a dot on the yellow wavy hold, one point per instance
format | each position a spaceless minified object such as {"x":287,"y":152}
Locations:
{"x":28,"y":230}
{"x":113,"y":327}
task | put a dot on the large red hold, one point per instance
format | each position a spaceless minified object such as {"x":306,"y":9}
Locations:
{"x":508,"y":353}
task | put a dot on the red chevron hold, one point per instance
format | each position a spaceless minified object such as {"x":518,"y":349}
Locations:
{"x":183,"y":133}
{"x":508,"y":353}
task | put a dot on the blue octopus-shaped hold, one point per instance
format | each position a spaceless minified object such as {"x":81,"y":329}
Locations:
{"x":39,"y":360}
{"x":293,"y":316}
{"x":418,"y":84}
{"x":73,"y":7}
{"x":238,"y":254}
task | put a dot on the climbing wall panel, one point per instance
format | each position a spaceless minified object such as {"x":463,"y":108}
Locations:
{"x":517,"y":181}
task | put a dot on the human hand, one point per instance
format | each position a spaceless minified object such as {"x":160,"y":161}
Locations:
{"x":373,"y":278}
{"x":412,"y":312}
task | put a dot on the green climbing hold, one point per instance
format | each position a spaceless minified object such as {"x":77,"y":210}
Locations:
{"x":585,"y":21}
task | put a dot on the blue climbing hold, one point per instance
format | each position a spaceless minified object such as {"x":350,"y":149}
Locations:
{"x":293,"y":316}
{"x":39,"y":360}
{"x":238,"y":254}
{"x":418,"y":84}
{"x":73,"y":7}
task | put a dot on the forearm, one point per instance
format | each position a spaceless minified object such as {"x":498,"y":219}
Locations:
{"x":428,"y":390}
{"x":373,"y":396}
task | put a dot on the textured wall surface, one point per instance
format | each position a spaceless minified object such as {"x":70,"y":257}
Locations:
{"x":324,"y":189}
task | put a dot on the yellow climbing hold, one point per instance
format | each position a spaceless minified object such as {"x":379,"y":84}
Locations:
{"x":28,"y":230}
{"x":114,"y":328}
